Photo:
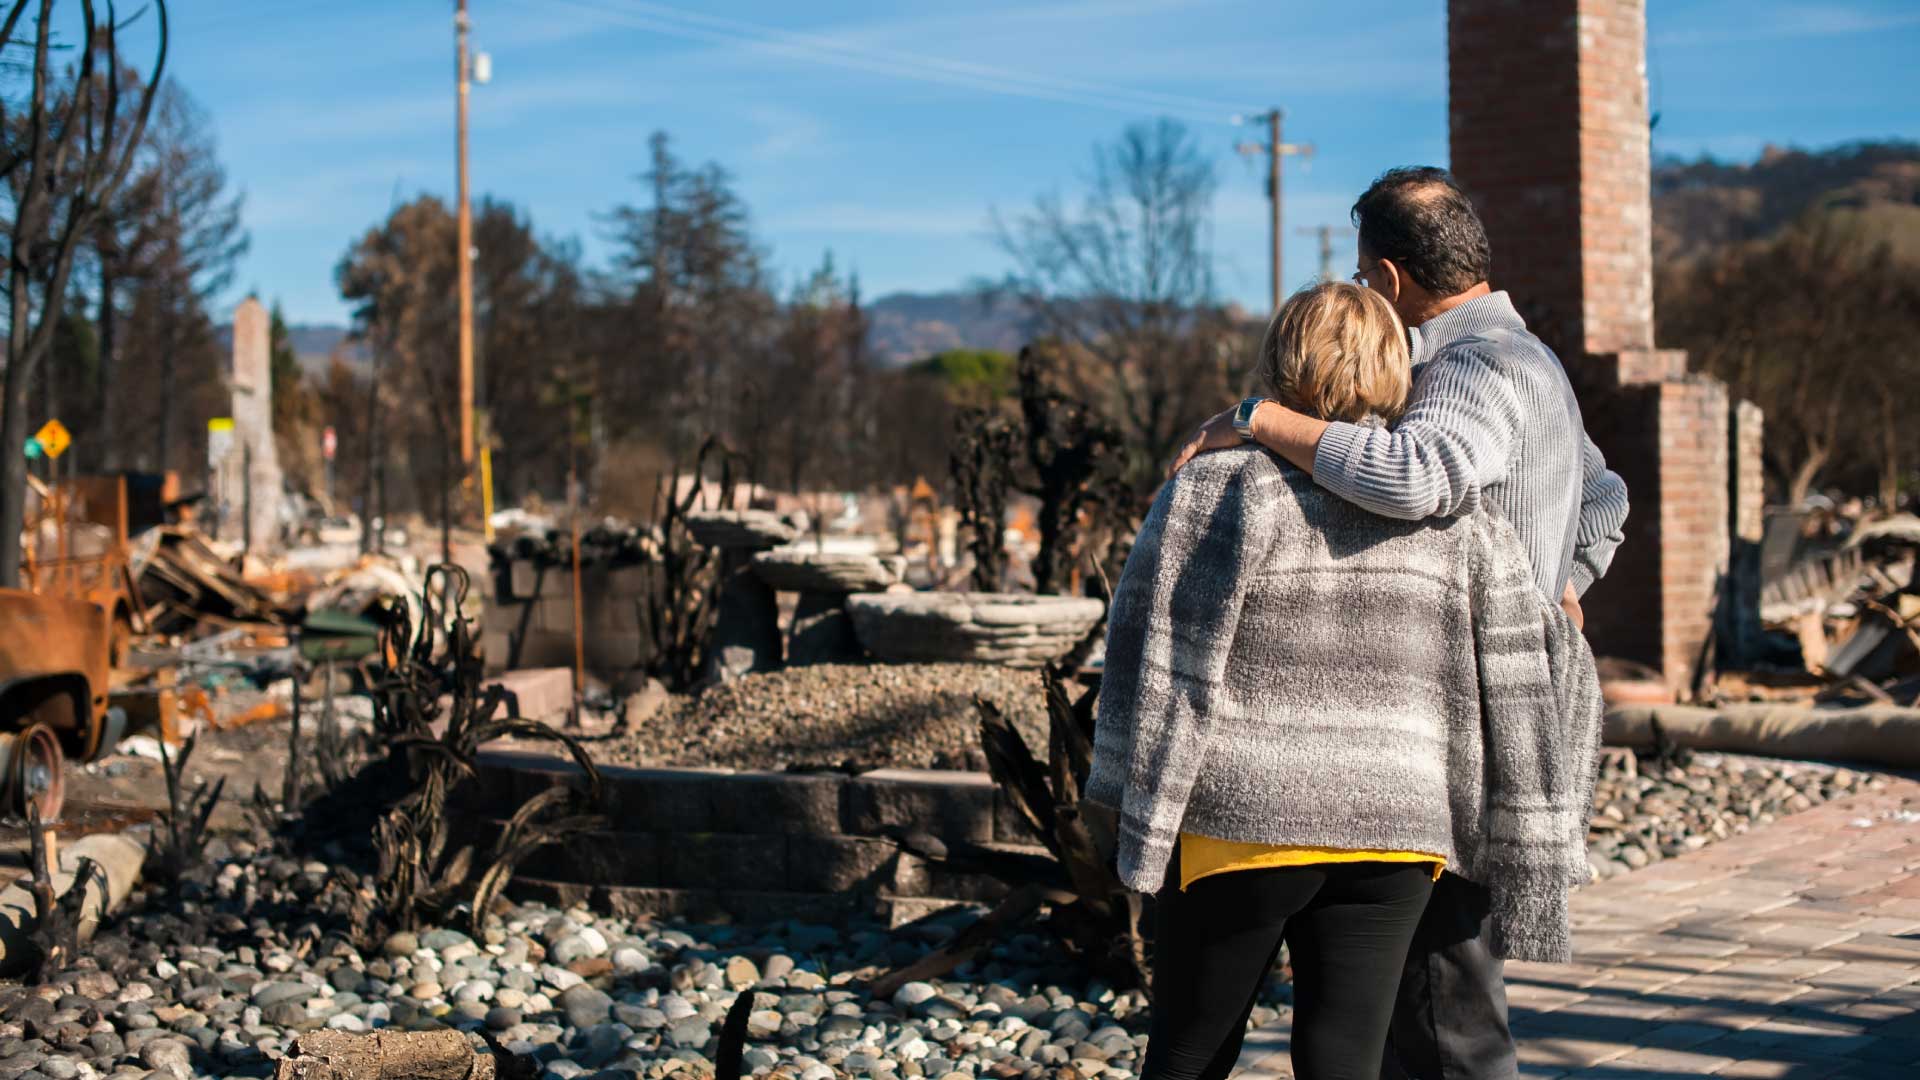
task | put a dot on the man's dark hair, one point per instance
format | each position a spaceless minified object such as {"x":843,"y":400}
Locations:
{"x":1418,"y":217}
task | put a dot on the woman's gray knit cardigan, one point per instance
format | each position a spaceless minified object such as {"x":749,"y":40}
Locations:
{"x":1286,"y":668}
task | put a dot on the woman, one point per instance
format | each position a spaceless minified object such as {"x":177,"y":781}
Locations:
{"x":1308,"y":711}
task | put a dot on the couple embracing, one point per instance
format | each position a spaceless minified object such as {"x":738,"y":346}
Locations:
{"x":1347,"y":703}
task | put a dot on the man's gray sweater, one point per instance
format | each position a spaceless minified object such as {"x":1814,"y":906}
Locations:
{"x":1491,"y":416}
{"x":1284,"y":667}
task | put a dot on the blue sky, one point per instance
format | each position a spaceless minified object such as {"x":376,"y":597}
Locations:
{"x":874,"y":129}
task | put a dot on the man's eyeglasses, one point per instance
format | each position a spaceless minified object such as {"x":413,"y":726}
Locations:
{"x":1360,"y":275}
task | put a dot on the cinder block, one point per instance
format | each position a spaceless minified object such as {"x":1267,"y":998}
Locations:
{"x":1009,"y":825}
{"x":494,"y":649}
{"x":835,"y":864}
{"x":600,"y":858}
{"x":520,"y":578}
{"x":556,"y":894}
{"x":913,"y":876}
{"x":724,"y":861}
{"x":772,"y":802}
{"x":542,"y":693}
{"x":501,"y":618}
{"x":661,"y":800}
{"x":556,"y":612}
{"x":625,"y":902}
{"x":613,"y":614}
{"x":948,"y":804}
{"x":547,"y":648}
{"x":627,"y":582}
{"x":611,"y":654}
{"x":901,"y":910}
{"x":749,"y":905}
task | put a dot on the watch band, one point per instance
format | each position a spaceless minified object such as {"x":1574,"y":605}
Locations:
{"x":1243,"y":416}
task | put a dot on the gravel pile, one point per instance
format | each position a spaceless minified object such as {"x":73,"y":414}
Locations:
{"x":1647,"y":811}
{"x":218,"y":981}
{"x":867,"y":715}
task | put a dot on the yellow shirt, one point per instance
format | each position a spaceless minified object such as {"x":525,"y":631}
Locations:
{"x":1203,"y":856}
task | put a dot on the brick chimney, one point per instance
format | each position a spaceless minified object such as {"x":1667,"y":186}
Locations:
{"x":1549,"y":136}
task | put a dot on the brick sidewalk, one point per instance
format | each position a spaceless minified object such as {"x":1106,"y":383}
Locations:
{"x":1791,"y":951}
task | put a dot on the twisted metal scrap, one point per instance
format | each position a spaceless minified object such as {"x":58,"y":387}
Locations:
{"x":416,"y":877}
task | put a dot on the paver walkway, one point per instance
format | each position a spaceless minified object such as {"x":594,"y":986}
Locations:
{"x":1791,"y":951}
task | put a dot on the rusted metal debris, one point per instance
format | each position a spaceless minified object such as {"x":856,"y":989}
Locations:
{"x":185,"y":585}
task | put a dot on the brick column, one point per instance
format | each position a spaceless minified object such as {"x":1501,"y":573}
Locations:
{"x":1548,"y":118}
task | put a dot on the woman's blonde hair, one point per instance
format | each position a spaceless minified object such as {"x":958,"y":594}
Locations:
{"x":1337,"y":351}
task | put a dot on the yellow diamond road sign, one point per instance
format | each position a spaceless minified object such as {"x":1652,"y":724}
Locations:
{"x":53,"y":438}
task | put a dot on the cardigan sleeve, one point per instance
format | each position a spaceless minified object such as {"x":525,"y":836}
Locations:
{"x":1534,"y":804}
{"x":1603,"y":518}
{"x":1175,"y":612}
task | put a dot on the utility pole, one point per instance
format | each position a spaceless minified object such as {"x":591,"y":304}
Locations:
{"x":1325,"y":233}
{"x":465,"y":254}
{"x":1275,"y":149}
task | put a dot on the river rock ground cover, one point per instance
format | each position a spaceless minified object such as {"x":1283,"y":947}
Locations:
{"x":216,"y":976}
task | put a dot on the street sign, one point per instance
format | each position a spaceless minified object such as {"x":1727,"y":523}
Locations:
{"x":54,"y":438}
{"x":219,"y":439}
{"x":328,"y":443}
{"x":33,"y":449}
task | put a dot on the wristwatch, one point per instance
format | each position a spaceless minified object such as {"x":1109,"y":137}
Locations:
{"x":1243,"y":416}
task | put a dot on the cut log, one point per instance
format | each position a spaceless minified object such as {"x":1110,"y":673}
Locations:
{"x":393,"y":1055}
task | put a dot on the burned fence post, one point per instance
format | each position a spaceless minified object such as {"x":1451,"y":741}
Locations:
{"x":290,"y":788}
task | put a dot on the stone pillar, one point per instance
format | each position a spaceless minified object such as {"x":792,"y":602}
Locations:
{"x":253,"y":465}
{"x":746,"y":629}
{"x":1740,"y":630}
{"x":823,"y":631}
{"x":1549,"y":135}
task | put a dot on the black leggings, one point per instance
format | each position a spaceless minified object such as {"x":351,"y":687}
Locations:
{"x":1347,"y":926}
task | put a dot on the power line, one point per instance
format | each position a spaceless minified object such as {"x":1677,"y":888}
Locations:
{"x":832,"y":52}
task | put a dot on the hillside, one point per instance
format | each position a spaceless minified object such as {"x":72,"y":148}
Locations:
{"x":911,"y":326}
{"x":314,"y":345}
{"x":1705,"y":205}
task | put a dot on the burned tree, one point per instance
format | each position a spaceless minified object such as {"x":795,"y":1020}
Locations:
{"x":66,"y":155}
{"x":982,"y":459}
{"x":1079,"y":466}
{"x":421,"y":874}
{"x":1060,"y":452}
{"x":683,"y":578}
{"x":1125,"y":281}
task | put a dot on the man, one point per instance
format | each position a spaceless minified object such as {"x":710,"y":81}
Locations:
{"x":1492,"y":416}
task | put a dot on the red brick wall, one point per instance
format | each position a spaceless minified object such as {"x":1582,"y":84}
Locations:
{"x":1548,"y":113}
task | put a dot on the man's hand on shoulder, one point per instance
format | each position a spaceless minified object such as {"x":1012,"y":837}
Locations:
{"x":1292,"y":435}
{"x":1216,"y":434}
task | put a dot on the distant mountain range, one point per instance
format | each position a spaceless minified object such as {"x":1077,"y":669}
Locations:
{"x":904,"y":327}
{"x":1703,"y":206}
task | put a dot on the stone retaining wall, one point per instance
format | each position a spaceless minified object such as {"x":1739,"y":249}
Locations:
{"x":539,"y":601}
{"x":698,"y":843}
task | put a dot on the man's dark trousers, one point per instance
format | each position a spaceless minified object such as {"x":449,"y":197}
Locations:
{"x":1450,"y":1022}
